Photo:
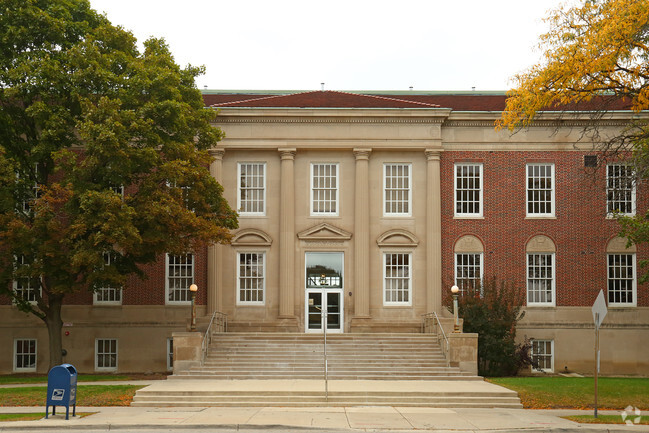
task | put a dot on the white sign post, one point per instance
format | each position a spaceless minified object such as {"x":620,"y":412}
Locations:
{"x":599,"y":312}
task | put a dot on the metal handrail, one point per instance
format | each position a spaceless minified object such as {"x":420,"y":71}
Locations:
{"x":222,"y":326}
{"x":427,"y":325}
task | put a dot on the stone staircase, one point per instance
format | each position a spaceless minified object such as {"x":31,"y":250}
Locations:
{"x":300,"y":356}
{"x":283,"y":369}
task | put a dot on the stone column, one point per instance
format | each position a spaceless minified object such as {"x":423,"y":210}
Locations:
{"x":215,"y":251}
{"x":287,"y":234}
{"x":433,"y":232}
{"x":362,"y":235}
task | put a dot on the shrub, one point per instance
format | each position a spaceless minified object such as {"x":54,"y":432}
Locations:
{"x":492,"y":310}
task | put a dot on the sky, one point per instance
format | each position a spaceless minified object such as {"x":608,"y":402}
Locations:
{"x":345,"y":44}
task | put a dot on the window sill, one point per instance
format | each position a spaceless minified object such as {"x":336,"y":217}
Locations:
{"x":540,"y":217}
{"x":468,"y":217}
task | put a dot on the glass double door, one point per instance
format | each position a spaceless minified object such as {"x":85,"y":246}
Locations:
{"x":324,"y":292}
{"x":324,"y":307}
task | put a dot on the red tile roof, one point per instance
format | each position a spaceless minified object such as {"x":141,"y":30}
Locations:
{"x":315,"y":99}
{"x":468,"y":101}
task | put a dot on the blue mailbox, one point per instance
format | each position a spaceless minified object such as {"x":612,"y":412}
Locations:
{"x":62,"y":389}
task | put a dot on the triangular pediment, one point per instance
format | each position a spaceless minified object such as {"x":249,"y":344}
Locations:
{"x":324,"y":232}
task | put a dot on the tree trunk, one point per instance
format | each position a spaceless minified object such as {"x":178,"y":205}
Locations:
{"x":54,"y":326}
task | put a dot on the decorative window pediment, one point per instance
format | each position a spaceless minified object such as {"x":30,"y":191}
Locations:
{"x":469,"y":244}
{"x":619,"y":245}
{"x":324,"y":232}
{"x":397,"y":238}
{"x":541,"y":244}
{"x":251,"y":238}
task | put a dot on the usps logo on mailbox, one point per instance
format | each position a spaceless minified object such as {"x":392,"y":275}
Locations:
{"x":57,"y":394}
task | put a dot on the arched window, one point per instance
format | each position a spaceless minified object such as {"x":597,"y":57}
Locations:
{"x":540,"y":271}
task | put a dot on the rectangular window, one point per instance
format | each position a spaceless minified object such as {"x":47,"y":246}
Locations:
{"x":252,"y":188}
{"x":468,"y":190}
{"x":25,"y":287}
{"x":540,"y":190}
{"x":180,"y":275}
{"x":540,"y":279}
{"x":397,"y":189}
{"x":397,"y":279}
{"x":108,"y":295}
{"x":621,"y":280}
{"x":251,"y":278}
{"x":324,"y":189}
{"x":33,"y":193}
{"x":468,"y":271}
{"x":542,"y":355}
{"x":24,"y":355}
{"x":620,"y":189}
{"x":170,"y":354}
{"x":106,"y":354}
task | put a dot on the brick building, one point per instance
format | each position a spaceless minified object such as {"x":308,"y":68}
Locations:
{"x":370,"y":206}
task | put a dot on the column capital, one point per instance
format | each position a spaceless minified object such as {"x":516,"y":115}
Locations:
{"x":433,"y":154}
{"x":216,"y":153}
{"x":287,"y":152}
{"x":363,"y":153}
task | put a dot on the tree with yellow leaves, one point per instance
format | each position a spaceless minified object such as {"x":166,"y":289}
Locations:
{"x":595,"y":60}
{"x":595,"y":53}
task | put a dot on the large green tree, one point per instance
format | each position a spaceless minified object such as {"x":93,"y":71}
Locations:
{"x":595,"y":60}
{"x":103,"y":153}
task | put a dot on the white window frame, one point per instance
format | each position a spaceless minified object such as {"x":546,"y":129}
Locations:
{"x":544,"y":355}
{"x":460,"y":282}
{"x":615,"y":189}
{"x":633,"y":280}
{"x":170,"y":354}
{"x":407,"y":279}
{"x":457,"y":188}
{"x":529,"y":279}
{"x":18,"y":369}
{"x":529,"y":191}
{"x":169,"y":277}
{"x":259,"y":189}
{"x":240,"y":277}
{"x":28,"y":204}
{"x":98,"y":354}
{"x":29,"y":289}
{"x":111,"y":292}
{"x":336,"y":190}
{"x":401,"y":190}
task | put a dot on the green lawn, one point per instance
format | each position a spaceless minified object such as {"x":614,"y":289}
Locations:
{"x":87,"y":395}
{"x":578,"y":392}
{"x":42,"y":378}
{"x":606,"y":419}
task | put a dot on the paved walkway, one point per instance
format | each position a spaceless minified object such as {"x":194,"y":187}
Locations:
{"x":364,"y":418}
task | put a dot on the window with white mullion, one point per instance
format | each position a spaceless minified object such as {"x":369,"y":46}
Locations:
{"x":180,"y":275}
{"x":25,"y":355}
{"x":468,"y":271}
{"x":108,"y":295}
{"x":324,"y":189}
{"x":170,"y":354}
{"x":105,"y":354}
{"x":542,"y":355}
{"x":540,"y":189}
{"x":540,"y":279}
{"x":397,"y":189}
{"x":621,"y":279}
{"x":25,"y":286}
{"x":252,"y":188}
{"x":620,"y":189}
{"x":397,"y":279}
{"x":251,"y":278}
{"x":468,"y":190}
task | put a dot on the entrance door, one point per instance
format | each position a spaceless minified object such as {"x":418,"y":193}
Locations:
{"x":324,"y":292}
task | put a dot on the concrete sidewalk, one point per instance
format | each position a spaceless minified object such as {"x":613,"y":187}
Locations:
{"x":362,"y":418}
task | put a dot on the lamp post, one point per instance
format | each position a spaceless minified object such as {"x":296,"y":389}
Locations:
{"x":456,"y":325}
{"x":193,"y":289}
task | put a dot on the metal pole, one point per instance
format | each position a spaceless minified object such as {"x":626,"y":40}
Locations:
{"x":324,"y":314}
{"x":596,"y":357}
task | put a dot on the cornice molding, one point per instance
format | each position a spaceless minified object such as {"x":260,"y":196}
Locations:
{"x":328,"y":120}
